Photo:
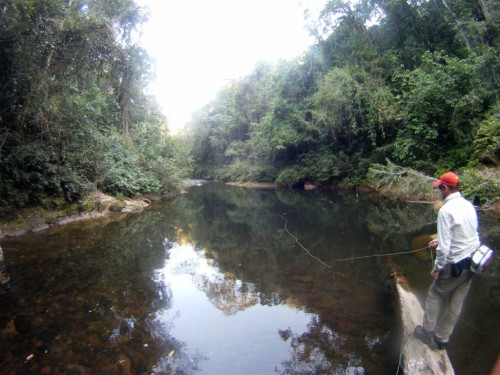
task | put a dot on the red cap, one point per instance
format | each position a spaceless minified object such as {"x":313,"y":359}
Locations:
{"x":449,"y":178}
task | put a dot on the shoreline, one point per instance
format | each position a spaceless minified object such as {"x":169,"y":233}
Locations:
{"x":33,"y":220}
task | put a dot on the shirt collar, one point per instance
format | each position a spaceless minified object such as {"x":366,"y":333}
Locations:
{"x":451,"y":196}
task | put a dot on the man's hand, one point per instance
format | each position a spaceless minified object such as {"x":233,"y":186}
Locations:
{"x":435,"y":274}
{"x":433,"y":244}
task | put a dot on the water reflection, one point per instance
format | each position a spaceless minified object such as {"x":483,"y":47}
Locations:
{"x":237,"y":257}
{"x":220,"y":317}
{"x":217,"y":282}
{"x":223,"y":323}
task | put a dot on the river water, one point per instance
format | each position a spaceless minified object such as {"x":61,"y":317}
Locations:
{"x":229,"y":280}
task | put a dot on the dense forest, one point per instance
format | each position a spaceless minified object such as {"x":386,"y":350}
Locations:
{"x":75,"y":114}
{"x":396,"y":84}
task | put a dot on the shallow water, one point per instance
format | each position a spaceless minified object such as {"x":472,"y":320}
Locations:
{"x":227,"y":280}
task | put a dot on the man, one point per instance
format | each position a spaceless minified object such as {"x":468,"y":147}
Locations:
{"x":457,"y":240}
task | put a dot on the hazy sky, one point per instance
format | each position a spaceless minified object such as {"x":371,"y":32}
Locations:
{"x":199,"y":45}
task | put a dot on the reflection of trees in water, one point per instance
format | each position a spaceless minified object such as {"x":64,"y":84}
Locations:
{"x":319,"y":350}
{"x":178,"y":363}
{"x":400,"y":218}
{"x":252,"y":223}
{"x":244,"y":234}
{"x":227,"y":293}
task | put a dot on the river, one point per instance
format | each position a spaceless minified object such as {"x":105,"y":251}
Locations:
{"x":230,"y":280}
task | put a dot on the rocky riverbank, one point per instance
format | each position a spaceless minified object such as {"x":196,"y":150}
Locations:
{"x":100,"y":205}
{"x":95,"y":206}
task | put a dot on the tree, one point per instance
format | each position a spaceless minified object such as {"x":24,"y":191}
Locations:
{"x":354,"y":111}
{"x":441,"y":102}
{"x":72,"y":89}
{"x":413,"y":81}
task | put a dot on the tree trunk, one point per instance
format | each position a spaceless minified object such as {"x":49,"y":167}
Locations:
{"x":484,"y":8}
{"x":124,"y":101}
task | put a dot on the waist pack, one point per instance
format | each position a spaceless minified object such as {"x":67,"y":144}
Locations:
{"x":481,"y":259}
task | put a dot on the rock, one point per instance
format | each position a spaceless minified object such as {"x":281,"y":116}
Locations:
{"x":75,"y":370}
{"x":47,"y":335}
{"x":9,"y":331}
{"x":253,"y":185}
{"x":4,"y":278}
{"x":40,"y":227}
{"x":124,"y":364}
{"x":95,"y":342}
{"x":22,"y":324}
{"x":117,"y":206}
{"x":136,"y":205}
{"x":17,"y":233}
{"x":417,"y":358}
{"x":309,"y":186}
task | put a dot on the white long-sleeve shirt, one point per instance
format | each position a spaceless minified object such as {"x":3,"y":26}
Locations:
{"x":457,"y":231}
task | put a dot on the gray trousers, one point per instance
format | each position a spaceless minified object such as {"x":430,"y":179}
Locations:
{"x":444,"y":302}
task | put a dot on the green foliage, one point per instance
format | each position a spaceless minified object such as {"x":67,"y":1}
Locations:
{"x":325,"y":167}
{"x":487,"y":140}
{"x":88,"y":205}
{"x":291,"y":177}
{"x":480,"y":185}
{"x":320,"y":168}
{"x":287,"y":130}
{"x":419,"y":87}
{"x":32,"y":171}
{"x":353,"y":109}
{"x":230,"y":129}
{"x":123,"y":178}
{"x":74,"y":115}
{"x":166,"y":159}
{"x":441,"y":103}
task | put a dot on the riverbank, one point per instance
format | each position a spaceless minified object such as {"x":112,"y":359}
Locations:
{"x":99,"y":204}
{"x":96,"y":205}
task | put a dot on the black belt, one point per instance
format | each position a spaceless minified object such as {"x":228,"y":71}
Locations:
{"x":457,"y":268}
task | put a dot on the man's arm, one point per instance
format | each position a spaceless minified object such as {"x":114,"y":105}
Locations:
{"x":444,"y":240}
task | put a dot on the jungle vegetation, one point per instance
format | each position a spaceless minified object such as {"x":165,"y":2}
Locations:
{"x":75,"y":114}
{"x":391,"y":86}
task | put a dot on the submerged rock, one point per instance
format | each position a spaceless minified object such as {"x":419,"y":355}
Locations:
{"x":9,"y":331}
{"x":22,"y":324}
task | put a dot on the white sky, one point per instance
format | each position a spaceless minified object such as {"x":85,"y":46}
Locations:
{"x":199,"y":45}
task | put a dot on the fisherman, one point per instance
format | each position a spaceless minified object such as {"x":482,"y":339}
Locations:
{"x":456,"y":241}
